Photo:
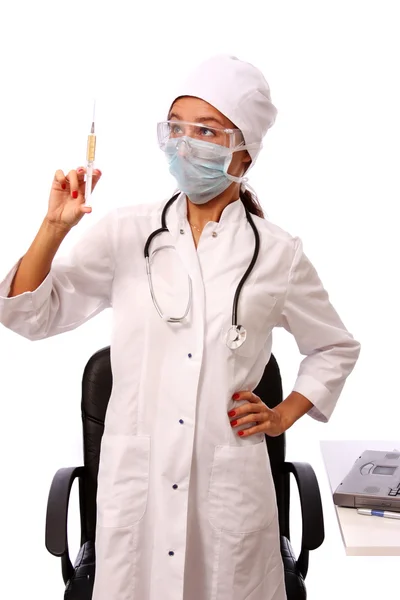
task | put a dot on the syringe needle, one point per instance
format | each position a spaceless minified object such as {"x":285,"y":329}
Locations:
{"x":94,"y":109}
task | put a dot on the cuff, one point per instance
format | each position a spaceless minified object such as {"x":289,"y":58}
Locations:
{"x":323,"y":400}
{"x":27,"y":301}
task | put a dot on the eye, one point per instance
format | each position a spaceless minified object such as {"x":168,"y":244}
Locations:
{"x":174,"y":129}
{"x":207,"y":132}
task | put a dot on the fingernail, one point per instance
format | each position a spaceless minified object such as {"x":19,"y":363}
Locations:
{"x":80,"y":170}
{"x":75,"y":194}
{"x":233,"y":423}
{"x":98,"y":171}
{"x":63,"y":186}
{"x":235,"y":396}
{"x":241,"y":433}
{"x":232,"y":413}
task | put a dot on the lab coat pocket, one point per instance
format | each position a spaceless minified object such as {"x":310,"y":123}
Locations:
{"x":123,"y":479}
{"x":241,"y":496}
{"x":257,"y":314}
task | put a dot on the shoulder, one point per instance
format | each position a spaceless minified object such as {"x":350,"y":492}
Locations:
{"x":130,"y":225}
{"x":133,"y":211}
{"x":146,"y":210}
{"x":274,"y":235}
{"x":136,"y":215}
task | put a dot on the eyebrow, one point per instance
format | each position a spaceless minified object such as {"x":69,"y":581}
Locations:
{"x":199,"y":119}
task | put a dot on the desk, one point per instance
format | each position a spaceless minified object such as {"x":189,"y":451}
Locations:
{"x":361,"y":535}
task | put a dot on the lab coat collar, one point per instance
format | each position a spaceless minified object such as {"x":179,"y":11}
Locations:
{"x":177,"y":214}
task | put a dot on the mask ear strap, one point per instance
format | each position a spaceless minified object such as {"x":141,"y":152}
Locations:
{"x":241,"y":180}
{"x":228,"y":160}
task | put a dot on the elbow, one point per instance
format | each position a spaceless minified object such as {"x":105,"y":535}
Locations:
{"x":346,"y":355}
{"x":24,"y":324}
{"x":355,"y":349}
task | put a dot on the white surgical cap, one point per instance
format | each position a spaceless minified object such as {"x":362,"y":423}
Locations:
{"x":239,"y":91}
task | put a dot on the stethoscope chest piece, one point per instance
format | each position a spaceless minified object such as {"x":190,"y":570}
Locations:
{"x":236,"y":336}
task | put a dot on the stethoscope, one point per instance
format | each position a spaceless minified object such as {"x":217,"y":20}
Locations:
{"x":236,"y":334}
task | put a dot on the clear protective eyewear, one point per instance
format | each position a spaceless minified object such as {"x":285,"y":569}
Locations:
{"x":170,"y":133}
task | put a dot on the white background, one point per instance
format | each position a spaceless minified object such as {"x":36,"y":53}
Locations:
{"x":328,"y":173}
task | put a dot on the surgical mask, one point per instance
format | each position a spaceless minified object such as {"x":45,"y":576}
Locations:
{"x":200,"y":168}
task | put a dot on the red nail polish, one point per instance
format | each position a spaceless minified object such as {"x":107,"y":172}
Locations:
{"x":63,"y":186}
{"x":235,"y":396}
{"x":241,"y":433}
{"x":75,"y":194}
{"x":79,"y":170}
{"x":233,"y":423}
{"x":232,"y":413}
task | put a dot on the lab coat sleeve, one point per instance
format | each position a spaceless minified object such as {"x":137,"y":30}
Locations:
{"x":330,"y":350}
{"x":77,"y":287}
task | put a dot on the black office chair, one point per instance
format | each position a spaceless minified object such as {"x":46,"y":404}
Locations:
{"x":96,"y":390}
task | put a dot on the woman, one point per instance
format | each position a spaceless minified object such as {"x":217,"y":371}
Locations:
{"x":186,"y":501}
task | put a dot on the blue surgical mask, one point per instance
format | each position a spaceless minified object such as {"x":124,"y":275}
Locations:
{"x":200,"y":168}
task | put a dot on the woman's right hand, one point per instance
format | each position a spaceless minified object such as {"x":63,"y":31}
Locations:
{"x":67,"y":198}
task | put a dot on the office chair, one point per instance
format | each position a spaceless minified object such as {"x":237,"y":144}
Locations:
{"x":96,"y":391}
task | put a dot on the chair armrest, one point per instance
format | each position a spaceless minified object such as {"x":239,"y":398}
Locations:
{"x":57,"y":516}
{"x":311,"y":510}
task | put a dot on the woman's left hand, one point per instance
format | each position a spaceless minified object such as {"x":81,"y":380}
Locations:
{"x":268,"y":420}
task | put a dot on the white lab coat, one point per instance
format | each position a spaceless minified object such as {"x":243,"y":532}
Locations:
{"x":174,"y":476}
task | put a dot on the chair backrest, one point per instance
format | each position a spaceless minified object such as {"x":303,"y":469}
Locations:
{"x":96,"y":391}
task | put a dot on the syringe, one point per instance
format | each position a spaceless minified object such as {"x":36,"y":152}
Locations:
{"x":91,"y":148}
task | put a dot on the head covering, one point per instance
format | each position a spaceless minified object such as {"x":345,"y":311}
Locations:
{"x":239,"y":91}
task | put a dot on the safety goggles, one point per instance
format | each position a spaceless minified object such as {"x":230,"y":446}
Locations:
{"x":170,"y":131}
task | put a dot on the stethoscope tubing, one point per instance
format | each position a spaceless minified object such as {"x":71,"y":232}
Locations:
{"x":164,"y":228}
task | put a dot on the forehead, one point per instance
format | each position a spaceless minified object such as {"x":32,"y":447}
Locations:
{"x":189,"y":108}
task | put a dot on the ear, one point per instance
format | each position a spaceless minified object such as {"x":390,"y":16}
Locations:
{"x":247,"y":157}
{"x":246,"y":162}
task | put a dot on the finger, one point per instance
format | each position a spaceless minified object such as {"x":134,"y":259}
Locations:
{"x":60,"y":178}
{"x":74,"y":183}
{"x":251,"y":430}
{"x":253,"y":418}
{"x":247,"y":408}
{"x":95,"y":179}
{"x":245,"y":395}
{"x":80,"y":171}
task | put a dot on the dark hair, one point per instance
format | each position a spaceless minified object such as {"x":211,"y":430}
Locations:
{"x":251,"y":203}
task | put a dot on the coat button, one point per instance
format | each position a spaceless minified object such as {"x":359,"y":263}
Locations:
{"x":171,"y":553}
{"x":181,"y":421}
{"x":181,"y":231}
{"x":214,"y":234}
{"x":175,"y":486}
{"x":189,"y":355}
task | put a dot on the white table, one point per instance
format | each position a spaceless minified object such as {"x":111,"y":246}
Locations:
{"x":362,"y":535}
